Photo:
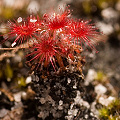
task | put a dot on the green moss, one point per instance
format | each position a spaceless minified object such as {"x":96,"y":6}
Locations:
{"x":87,"y":7}
{"x":105,"y":3}
{"x":21,"y":81}
{"x":101,"y":77}
{"x":111,"y":112}
{"x":104,"y":113}
{"x":8,"y":72}
{"x":7,"y":13}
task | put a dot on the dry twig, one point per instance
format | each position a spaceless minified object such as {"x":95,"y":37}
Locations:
{"x":14,"y":50}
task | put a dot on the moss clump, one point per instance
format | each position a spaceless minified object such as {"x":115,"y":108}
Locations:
{"x":111,"y":112}
{"x":8,"y":72}
{"x":21,"y":81}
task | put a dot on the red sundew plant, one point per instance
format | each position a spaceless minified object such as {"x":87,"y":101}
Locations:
{"x":57,"y":21}
{"x":83,"y":32}
{"x":23,"y":29}
{"x":45,"y":51}
{"x":56,"y":36}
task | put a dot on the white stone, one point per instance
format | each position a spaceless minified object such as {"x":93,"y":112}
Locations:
{"x":75,"y":86}
{"x":90,"y":76}
{"x":100,"y":89}
{"x":33,"y":7}
{"x":60,"y":102}
{"x":3,"y":112}
{"x":105,"y":28}
{"x":109,"y":13}
{"x":69,"y":80}
{"x":86,"y":104}
{"x":86,"y":116}
{"x":71,"y":106}
{"x":24,"y":95}
{"x":28,"y":80}
{"x":9,"y":3}
{"x":110,"y":99}
{"x":106,"y":101}
{"x":93,"y":108}
{"x":73,"y":112}
{"x":17,"y":97}
{"x":80,"y":101}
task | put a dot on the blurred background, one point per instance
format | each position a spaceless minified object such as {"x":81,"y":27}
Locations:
{"x":105,"y":14}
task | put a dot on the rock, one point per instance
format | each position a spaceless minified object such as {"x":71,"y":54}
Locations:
{"x":17,"y":97}
{"x":100,"y":89}
{"x":28,"y":80}
{"x":3,"y":112}
{"x":110,"y":14}
{"x":33,"y":7}
{"x":90,"y":76}
{"x":106,"y":101}
{"x":106,"y":28}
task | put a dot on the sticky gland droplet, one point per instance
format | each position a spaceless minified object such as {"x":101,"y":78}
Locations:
{"x":13,"y":44}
